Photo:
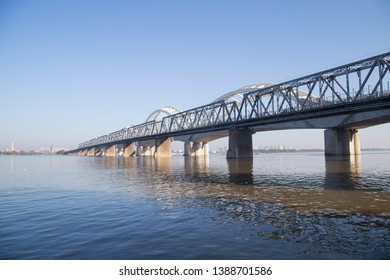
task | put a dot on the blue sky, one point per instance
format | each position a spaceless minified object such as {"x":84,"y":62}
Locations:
{"x":74,"y":70}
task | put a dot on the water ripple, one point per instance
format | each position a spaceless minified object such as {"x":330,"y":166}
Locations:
{"x":268,"y":208}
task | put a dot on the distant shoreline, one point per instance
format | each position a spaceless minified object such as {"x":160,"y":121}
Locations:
{"x":255,"y":152}
{"x":31,"y":153}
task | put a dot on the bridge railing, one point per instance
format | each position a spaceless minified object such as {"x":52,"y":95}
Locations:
{"x":354,"y":82}
{"x":363,"y":79}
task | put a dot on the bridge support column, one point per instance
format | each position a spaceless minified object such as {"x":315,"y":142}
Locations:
{"x":91,"y":152}
{"x":129,"y":150}
{"x":140,"y":150}
{"x":163,"y":148}
{"x":240,"y":143}
{"x":145,"y":150}
{"x":100,"y":151}
{"x":196,"y":149}
{"x":340,"y":141}
{"x":205,"y":148}
{"x":119,"y":150}
{"x":187,"y":149}
{"x":111,"y":151}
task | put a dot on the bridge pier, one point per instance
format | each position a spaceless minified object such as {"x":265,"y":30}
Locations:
{"x":129,"y":150}
{"x":196,"y":149}
{"x":119,"y":150}
{"x":163,"y":148}
{"x":145,"y":150}
{"x":240,"y":143}
{"x":100,"y":151}
{"x":340,"y":141}
{"x":157,"y":148}
{"x":91,"y":152}
{"x":110,"y":151}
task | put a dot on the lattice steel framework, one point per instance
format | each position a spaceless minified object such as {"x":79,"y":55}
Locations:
{"x":360,"y":81}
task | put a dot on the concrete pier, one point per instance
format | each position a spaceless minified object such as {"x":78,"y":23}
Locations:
{"x":160,"y":147}
{"x":111,"y":151}
{"x":163,"y":148}
{"x":100,"y":151}
{"x":145,"y":150}
{"x":119,"y":150}
{"x":129,"y":150}
{"x":196,"y":149}
{"x":340,"y":141}
{"x":240,"y":143}
{"x":91,"y":152}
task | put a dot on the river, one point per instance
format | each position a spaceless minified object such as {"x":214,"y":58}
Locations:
{"x":276,"y":206}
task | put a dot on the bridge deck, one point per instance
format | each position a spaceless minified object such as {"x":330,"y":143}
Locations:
{"x":355,"y":95}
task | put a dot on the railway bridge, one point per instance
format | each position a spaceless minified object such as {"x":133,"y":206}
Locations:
{"x":341,"y":100}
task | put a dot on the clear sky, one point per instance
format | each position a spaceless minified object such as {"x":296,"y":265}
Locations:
{"x":73,"y":70}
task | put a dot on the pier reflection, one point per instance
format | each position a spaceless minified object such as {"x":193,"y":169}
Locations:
{"x":241,"y":171}
{"x":154,"y":164}
{"x":298,"y":199}
{"x":339,"y":186}
{"x":196,"y":165}
{"x":276,"y":206}
{"x":343,"y":172}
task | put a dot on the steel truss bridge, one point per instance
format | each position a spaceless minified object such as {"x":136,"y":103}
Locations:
{"x":352,"y":96}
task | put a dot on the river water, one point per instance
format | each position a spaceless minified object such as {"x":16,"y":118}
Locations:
{"x":278,"y":206}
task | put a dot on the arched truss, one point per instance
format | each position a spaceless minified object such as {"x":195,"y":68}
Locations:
{"x":238,"y":95}
{"x":158,"y":115}
{"x":362,"y":82}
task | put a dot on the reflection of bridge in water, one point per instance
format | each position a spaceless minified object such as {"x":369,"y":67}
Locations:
{"x":349,"y":220}
{"x":338,"y":189}
{"x":340,"y":100}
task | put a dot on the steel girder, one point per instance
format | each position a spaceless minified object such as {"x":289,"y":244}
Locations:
{"x":362,"y":80}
